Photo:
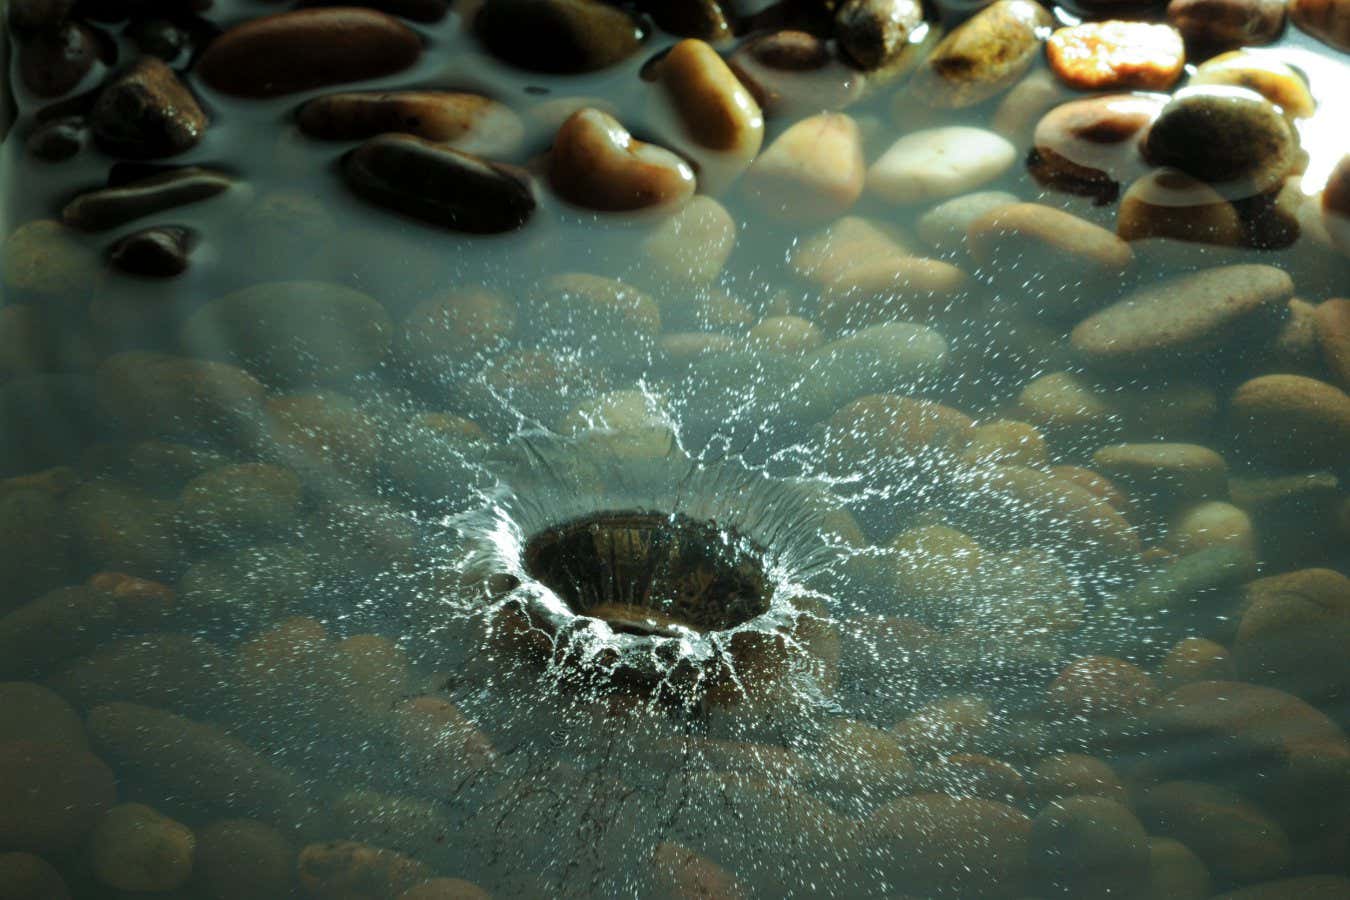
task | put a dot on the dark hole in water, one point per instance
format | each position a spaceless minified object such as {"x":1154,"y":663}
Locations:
{"x":649,"y":573}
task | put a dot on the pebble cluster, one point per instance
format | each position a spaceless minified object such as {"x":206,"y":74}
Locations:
{"x":1047,"y":307}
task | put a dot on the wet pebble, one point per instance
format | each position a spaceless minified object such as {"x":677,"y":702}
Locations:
{"x":110,"y":207}
{"x":873,"y":31}
{"x":1336,"y":205}
{"x":683,"y":874}
{"x":53,"y":63}
{"x":693,"y":245}
{"x":1183,"y":318}
{"x":440,"y":185}
{"x":1101,"y":688}
{"x":890,"y":289}
{"x":936,"y":163}
{"x":1326,"y":20}
{"x":1293,"y":632}
{"x":35,"y":528}
{"x":293,"y":332}
{"x":1227,"y":23}
{"x":1333,"y":338}
{"x":52,"y":795}
{"x":154,"y":252}
{"x":1164,"y":474}
{"x":848,"y":241}
{"x":147,"y":113}
{"x":238,"y":502}
{"x":456,"y":889}
{"x":450,"y":330}
{"x":346,"y":870}
{"x":176,"y":671}
{"x":983,"y":56}
{"x":30,"y":712}
{"x":1232,"y":836}
{"x":597,"y":164}
{"x":1266,"y":75}
{"x":137,"y":848}
{"x":944,"y":227}
{"x":1175,"y":871}
{"x":242,"y":858}
{"x":1171,"y":205}
{"x":1226,"y":136}
{"x":1074,"y":774}
{"x":1292,"y":420}
{"x":120,"y":528}
{"x":43,"y":257}
{"x":812,"y":172}
{"x":702,"y":19}
{"x":795,"y":72}
{"x":305,"y":49}
{"x":576,"y":309}
{"x":1091,"y":146}
{"x":1088,"y":846}
{"x":156,"y":393}
{"x":59,"y":139}
{"x":1116,"y":55}
{"x":24,"y":876}
{"x":1196,"y":659}
{"x":557,"y":36}
{"x":467,"y":122}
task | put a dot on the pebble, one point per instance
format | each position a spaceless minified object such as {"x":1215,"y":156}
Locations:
{"x":1333,"y":338}
{"x":1326,"y":20}
{"x":51,"y":795}
{"x":1091,"y":146}
{"x":1074,"y":774}
{"x":944,"y":226}
{"x":1266,"y":75}
{"x":682,"y":874}
{"x":153,"y":252}
{"x":456,"y":327}
{"x":242,"y":858}
{"x":438,"y":745}
{"x":1169,"y":204}
{"x":702,"y":19}
{"x":30,"y":712}
{"x":794,"y":72}
{"x":889,"y":289}
{"x":871,"y":32}
{"x":983,"y":56}
{"x":601,"y":315}
{"x":137,"y":848}
{"x":1227,"y":23}
{"x":168,"y":40}
{"x":786,"y":334}
{"x":1292,"y":420}
{"x":1183,"y":318}
{"x":147,"y":113}
{"x":938,"y":846}
{"x":120,"y":528}
{"x":1176,"y":872}
{"x":1055,"y":249}
{"x":534,"y":384}
{"x":176,"y":671}
{"x":597,"y":164}
{"x":692,"y":246}
{"x":1212,"y":524}
{"x":936,"y":163}
{"x":322,"y":434}
{"x":459,"y":889}
{"x":1164,"y":475}
{"x":1006,"y":441}
{"x":58,"y":139}
{"x":1022,"y":107}
{"x":240,"y":502}
{"x":1100,"y":688}
{"x":292,"y":332}
{"x":196,"y":762}
{"x":35,"y":530}
{"x":1336,"y":205}
{"x":440,"y":185}
{"x":54,"y":62}
{"x":557,"y":36}
{"x":1088,"y":846}
{"x":1195,"y":659}
{"x":467,"y":122}
{"x":812,"y":172}
{"x":1228,"y":136}
{"x":876,"y":359}
{"x":345,"y":870}
{"x":24,"y":876}
{"x":305,"y":49}
{"x":1293,"y":632}
{"x":43,"y":257}
{"x":33,"y":15}
{"x":1116,"y":55}
{"x":844,"y":243}
{"x":1236,"y":841}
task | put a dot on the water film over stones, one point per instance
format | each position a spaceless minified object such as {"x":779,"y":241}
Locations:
{"x":725,"y":448}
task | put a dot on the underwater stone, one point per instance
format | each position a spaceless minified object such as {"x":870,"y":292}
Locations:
{"x":847,"y":242}
{"x":691,"y":246}
{"x":1269,"y":77}
{"x":156,"y":393}
{"x":982,"y":56}
{"x":1088,"y":846}
{"x":944,"y":226}
{"x":1116,"y":55}
{"x":557,"y":36}
{"x":1333,"y":338}
{"x":1228,"y":136}
{"x":1227,"y":23}
{"x":29,"y":877}
{"x":1195,"y":659}
{"x":889,"y":289}
{"x":30,"y":712}
{"x":1293,"y":632}
{"x":51,"y":795}
{"x":873,"y":31}
{"x":110,"y":207}
{"x":812,"y":172}
{"x":1232,"y":836}
{"x":1090,"y":146}
{"x":137,"y":848}
{"x":147,"y":113}
{"x":43,"y":257}
{"x":341,"y":869}
{"x":242,"y":858}
{"x":467,"y":122}
{"x":1292,"y":420}
{"x":1169,"y":204}
{"x":178,"y":672}
{"x":154,"y":252}
{"x":936,"y":163}
{"x":123,"y":529}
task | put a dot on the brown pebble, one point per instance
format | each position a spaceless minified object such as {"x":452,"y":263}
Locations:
{"x":1333,"y":338}
{"x":1057,"y":777}
{"x":147,"y":113}
{"x":982,"y":56}
{"x":467,"y":122}
{"x":1100,"y":687}
{"x":1236,"y":840}
{"x":347,"y":870}
{"x":50,"y":795}
{"x":54,"y":62}
{"x":1294,"y":632}
{"x":596,"y":163}
{"x":137,"y":848}
{"x":683,"y":874}
{"x":24,"y":876}
{"x":1116,"y":55}
{"x":309,"y":48}
{"x":30,"y":712}
{"x":1326,"y":20}
{"x":1292,"y":420}
{"x":1208,"y":24}
{"x":1196,"y":659}
{"x":1085,"y":846}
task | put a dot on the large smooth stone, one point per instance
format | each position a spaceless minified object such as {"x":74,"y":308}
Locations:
{"x":937,"y":163}
{"x":467,"y":122}
{"x":1326,"y":20}
{"x":983,"y":56}
{"x":814,"y":171}
{"x":596,"y":163}
{"x":147,"y":113}
{"x":557,"y":36}
{"x":1293,"y":420}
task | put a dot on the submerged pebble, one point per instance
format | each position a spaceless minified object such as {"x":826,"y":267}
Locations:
{"x":983,"y":56}
{"x":560,"y":36}
{"x":597,"y":164}
{"x":147,"y":113}
{"x":467,"y":122}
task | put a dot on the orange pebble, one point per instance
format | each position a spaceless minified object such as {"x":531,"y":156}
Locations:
{"x":1116,"y":55}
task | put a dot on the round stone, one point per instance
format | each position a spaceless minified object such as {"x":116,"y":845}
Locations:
{"x":136,"y":848}
{"x":936,"y":163}
{"x":50,"y":795}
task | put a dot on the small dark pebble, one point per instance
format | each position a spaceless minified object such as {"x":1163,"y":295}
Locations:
{"x":414,"y":10}
{"x":159,"y":37}
{"x":110,"y":207}
{"x":789,"y":51}
{"x":53,"y":62}
{"x":59,"y":139}
{"x":146,"y":112}
{"x":873,"y":31}
{"x":557,"y":36}
{"x":702,"y":19}
{"x":160,"y":252}
{"x":32,"y":15}
{"x":305,"y":49}
{"x":445,"y":187}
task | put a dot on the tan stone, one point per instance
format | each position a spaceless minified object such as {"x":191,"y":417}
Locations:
{"x":1070,"y":774}
{"x":1333,"y":337}
{"x":238,"y":858}
{"x":1293,"y":420}
{"x":50,"y":795}
{"x":1175,"y":871}
{"x":1196,"y":659}
{"x":137,"y":848}
{"x":1100,"y":687}
{"x":812,"y":172}
{"x":890,"y":289}
{"x":1234,"y":838}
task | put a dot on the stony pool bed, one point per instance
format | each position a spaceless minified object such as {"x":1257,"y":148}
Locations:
{"x":679,"y":448}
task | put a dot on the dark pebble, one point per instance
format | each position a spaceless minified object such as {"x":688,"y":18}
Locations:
{"x":146,"y":112}
{"x":1222,"y":24}
{"x":53,"y":62}
{"x":59,"y":139}
{"x":790,"y":51}
{"x":559,"y":36}
{"x":438,"y":185}
{"x":872,"y":31}
{"x":414,"y":10}
{"x":305,"y":49}
{"x":31,"y":15}
{"x":154,"y":253}
{"x":703,"y":19}
{"x":160,"y":37}
{"x":114,"y":206}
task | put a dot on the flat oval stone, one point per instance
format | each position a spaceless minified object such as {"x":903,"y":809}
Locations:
{"x":1182,"y":318}
{"x":154,"y":252}
{"x":439,"y":185}
{"x":1223,"y":135}
{"x":306,"y":49}
{"x":1116,"y":55}
{"x":467,"y":122}
{"x":1292,"y":420}
{"x":1262,"y":73}
{"x":889,"y":289}
{"x":812,"y":172}
{"x":110,"y":207}
{"x":293,"y":331}
{"x":983,"y":56}
{"x":597,"y":164}
{"x":59,"y":139}
{"x":54,"y":62}
{"x":1326,"y":20}
{"x":1090,"y":146}
{"x":558,"y":36}
{"x":936,"y":163}
{"x":147,"y":113}
{"x":1227,"y":23}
